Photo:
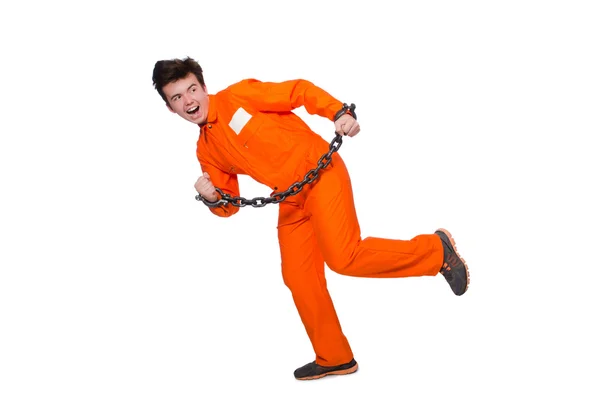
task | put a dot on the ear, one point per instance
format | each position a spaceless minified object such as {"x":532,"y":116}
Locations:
{"x":170,"y":108}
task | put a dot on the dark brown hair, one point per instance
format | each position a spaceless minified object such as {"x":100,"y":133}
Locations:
{"x":168,"y":71}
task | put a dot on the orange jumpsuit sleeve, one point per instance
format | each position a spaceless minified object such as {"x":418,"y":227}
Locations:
{"x":286,"y":96}
{"x":228,"y":183}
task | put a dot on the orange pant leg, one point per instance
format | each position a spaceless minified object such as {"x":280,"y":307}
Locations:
{"x":330,"y":205}
{"x":303,"y":273}
{"x":321,"y":225}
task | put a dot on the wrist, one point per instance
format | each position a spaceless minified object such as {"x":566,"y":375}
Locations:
{"x":211,"y":198}
{"x":345,"y":110}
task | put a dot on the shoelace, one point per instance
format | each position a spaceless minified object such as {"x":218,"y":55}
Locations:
{"x":446,"y":270}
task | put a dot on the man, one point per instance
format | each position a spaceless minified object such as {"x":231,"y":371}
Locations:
{"x":250,"y":128}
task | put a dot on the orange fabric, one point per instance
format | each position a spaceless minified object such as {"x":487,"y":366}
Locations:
{"x":323,"y":227}
{"x":319,"y":225}
{"x":275,"y":147}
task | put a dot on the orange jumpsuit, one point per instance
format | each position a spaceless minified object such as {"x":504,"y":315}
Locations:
{"x":251,"y":130}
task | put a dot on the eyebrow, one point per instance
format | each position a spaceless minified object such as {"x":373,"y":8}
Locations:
{"x":191,"y":85}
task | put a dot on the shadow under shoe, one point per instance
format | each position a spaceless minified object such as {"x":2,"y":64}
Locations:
{"x":316,"y":371}
{"x":454,"y":269}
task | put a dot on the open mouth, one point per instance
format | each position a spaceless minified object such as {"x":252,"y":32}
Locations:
{"x":193,"y":110}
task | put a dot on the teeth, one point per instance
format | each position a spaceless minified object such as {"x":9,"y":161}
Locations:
{"x":192,"y":110}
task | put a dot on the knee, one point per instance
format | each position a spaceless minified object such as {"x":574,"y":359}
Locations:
{"x":340,"y":266}
{"x":300,"y":279}
{"x":291,"y":279}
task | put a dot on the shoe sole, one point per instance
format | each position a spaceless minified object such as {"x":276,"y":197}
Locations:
{"x":350,"y":370}
{"x":449,"y":235}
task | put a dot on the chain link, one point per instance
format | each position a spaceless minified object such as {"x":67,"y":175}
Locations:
{"x":276,"y":198}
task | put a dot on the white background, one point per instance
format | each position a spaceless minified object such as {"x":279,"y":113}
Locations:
{"x":480,"y":117}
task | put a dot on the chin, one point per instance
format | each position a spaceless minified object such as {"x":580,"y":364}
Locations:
{"x":192,"y":121}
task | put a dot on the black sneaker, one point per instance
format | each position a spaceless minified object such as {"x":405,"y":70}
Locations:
{"x":316,"y":371}
{"x":454,"y":269}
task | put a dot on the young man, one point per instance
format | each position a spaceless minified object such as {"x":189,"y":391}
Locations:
{"x":250,"y":128}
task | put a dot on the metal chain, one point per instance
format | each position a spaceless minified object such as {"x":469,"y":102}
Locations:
{"x":276,"y":198}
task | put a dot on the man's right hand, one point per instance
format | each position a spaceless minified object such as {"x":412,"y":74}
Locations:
{"x":205,"y":188}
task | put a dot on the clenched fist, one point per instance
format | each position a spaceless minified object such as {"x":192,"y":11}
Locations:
{"x":347,"y":125}
{"x":205,"y":188}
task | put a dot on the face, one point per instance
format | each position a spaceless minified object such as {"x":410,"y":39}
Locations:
{"x":188,"y":99}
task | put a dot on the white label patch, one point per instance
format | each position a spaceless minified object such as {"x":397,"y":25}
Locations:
{"x":239,"y":120}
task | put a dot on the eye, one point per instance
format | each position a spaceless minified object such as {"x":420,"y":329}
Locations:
{"x":194,"y":89}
